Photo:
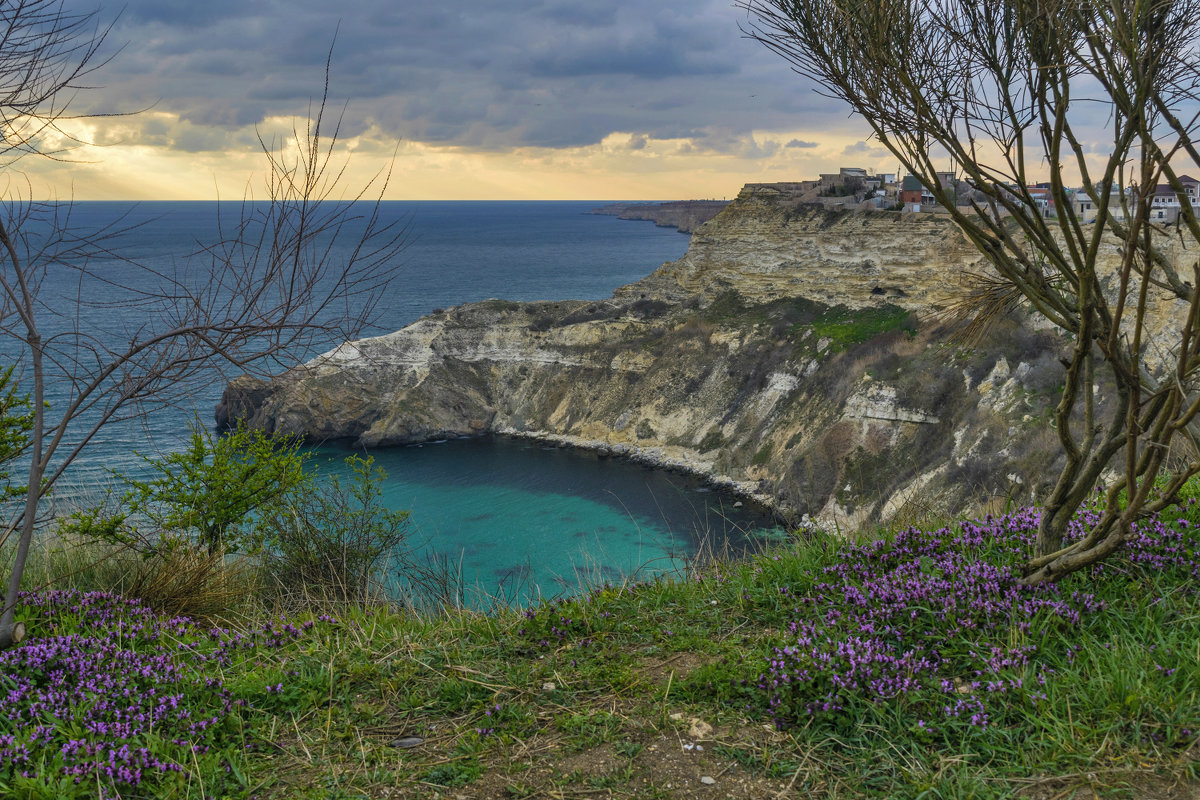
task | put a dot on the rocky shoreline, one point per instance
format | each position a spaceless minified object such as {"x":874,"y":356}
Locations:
{"x":242,"y":395}
{"x":654,"y":457}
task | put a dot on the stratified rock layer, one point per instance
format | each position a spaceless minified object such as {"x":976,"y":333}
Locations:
{"x":767,"y":245}
{"x":793,"y":354}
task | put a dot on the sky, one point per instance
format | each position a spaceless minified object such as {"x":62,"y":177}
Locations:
{"x":447,"y":100}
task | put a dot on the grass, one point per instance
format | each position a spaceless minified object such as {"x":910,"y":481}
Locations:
{"x":794,"y":316}
{"x":846,"y":326}
{"x":909,"y":666}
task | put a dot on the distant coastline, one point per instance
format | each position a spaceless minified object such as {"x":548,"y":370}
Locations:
{"x":685,"y":215}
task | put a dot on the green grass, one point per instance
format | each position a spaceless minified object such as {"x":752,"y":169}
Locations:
{"x":595,"y":695}
{"x":763,"y":455}
{"x":843,"y":326}
{"x":731,"y":308}
{"x":848,"y":326}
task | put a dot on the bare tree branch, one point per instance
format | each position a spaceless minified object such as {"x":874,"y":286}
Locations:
{"x":305,"y":267}
{"x":1009,"y":90}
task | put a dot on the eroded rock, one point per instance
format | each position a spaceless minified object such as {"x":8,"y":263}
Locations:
{"x":732,"y":363}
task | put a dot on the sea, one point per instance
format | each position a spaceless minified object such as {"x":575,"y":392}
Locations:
{"x":514,"y":519}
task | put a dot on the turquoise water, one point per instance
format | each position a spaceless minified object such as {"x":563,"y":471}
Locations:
{"x":517,"y":518}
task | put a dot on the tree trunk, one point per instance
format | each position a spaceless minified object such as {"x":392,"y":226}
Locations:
{"x":12,"y":632}
{"x":1105,"y":536}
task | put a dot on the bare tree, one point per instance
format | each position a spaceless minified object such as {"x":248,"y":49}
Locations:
{"x":46,"y":55}
{"x":1016,"y":91}
{"x":306,"y":265}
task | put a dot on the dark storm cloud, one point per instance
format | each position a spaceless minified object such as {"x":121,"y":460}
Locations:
{"x":653,"y":48}
{"x":489,"y":74}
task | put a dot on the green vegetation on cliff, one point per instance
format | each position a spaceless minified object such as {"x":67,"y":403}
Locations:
{"x":851,"y":326}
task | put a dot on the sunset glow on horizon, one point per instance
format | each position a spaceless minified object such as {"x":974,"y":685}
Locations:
{"x":504,"y":100}
{"x":497,"y":100}
{"x":609,"y":170}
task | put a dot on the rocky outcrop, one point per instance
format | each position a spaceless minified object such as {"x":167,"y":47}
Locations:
{"x":769,"y":244}
{"x":794,"y":354}
{"x":684,"y":215}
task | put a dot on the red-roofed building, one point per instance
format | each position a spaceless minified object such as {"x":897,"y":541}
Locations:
{"x":911,"y":190}
{"x":1040,"y":194}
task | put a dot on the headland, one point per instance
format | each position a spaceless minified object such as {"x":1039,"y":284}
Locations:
{"x":797,"y":354}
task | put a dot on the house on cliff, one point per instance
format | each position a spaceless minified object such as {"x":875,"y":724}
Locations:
{"x":912,"y":193}
{"x":1167,"y":203}
{"x":1165,"y":209}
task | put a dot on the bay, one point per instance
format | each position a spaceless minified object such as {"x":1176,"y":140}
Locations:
{"x":516,"y":518}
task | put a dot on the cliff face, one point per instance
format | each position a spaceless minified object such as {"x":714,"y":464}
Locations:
{"x":767,"y":245}
{"x":791,"y":353}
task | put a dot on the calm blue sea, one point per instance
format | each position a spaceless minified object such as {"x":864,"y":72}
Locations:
{"x":516,"y":517}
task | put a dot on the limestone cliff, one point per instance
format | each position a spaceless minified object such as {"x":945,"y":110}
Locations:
{"x":792,"y":352}
{"x":768,"y":244}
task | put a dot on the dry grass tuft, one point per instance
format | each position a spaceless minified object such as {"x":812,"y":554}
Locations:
{"x":187,"y":581}
{"x":181,"y":580}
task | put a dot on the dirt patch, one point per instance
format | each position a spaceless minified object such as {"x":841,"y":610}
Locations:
{"x":678,"y":766}
{"x":1134,"y":786}
{"x":663,"y":766}
{"x":673,"y":668}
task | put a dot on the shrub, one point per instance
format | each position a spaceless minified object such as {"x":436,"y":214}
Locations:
{"x":586,"y":314}
{"x":213,"y":486}
{"x":645,"y":309}
{"x":763,"y":455}
{"x":541,"y":323}
{"x":329,"y":541}
{"x":16,"y":421}
{"x":186,"y":581}
{"x":711,"y":441}
{"x":727,"y":306}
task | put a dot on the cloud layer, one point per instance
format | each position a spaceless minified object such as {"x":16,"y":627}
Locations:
{"x":668,"y":79}
{"x":489,"y":74}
